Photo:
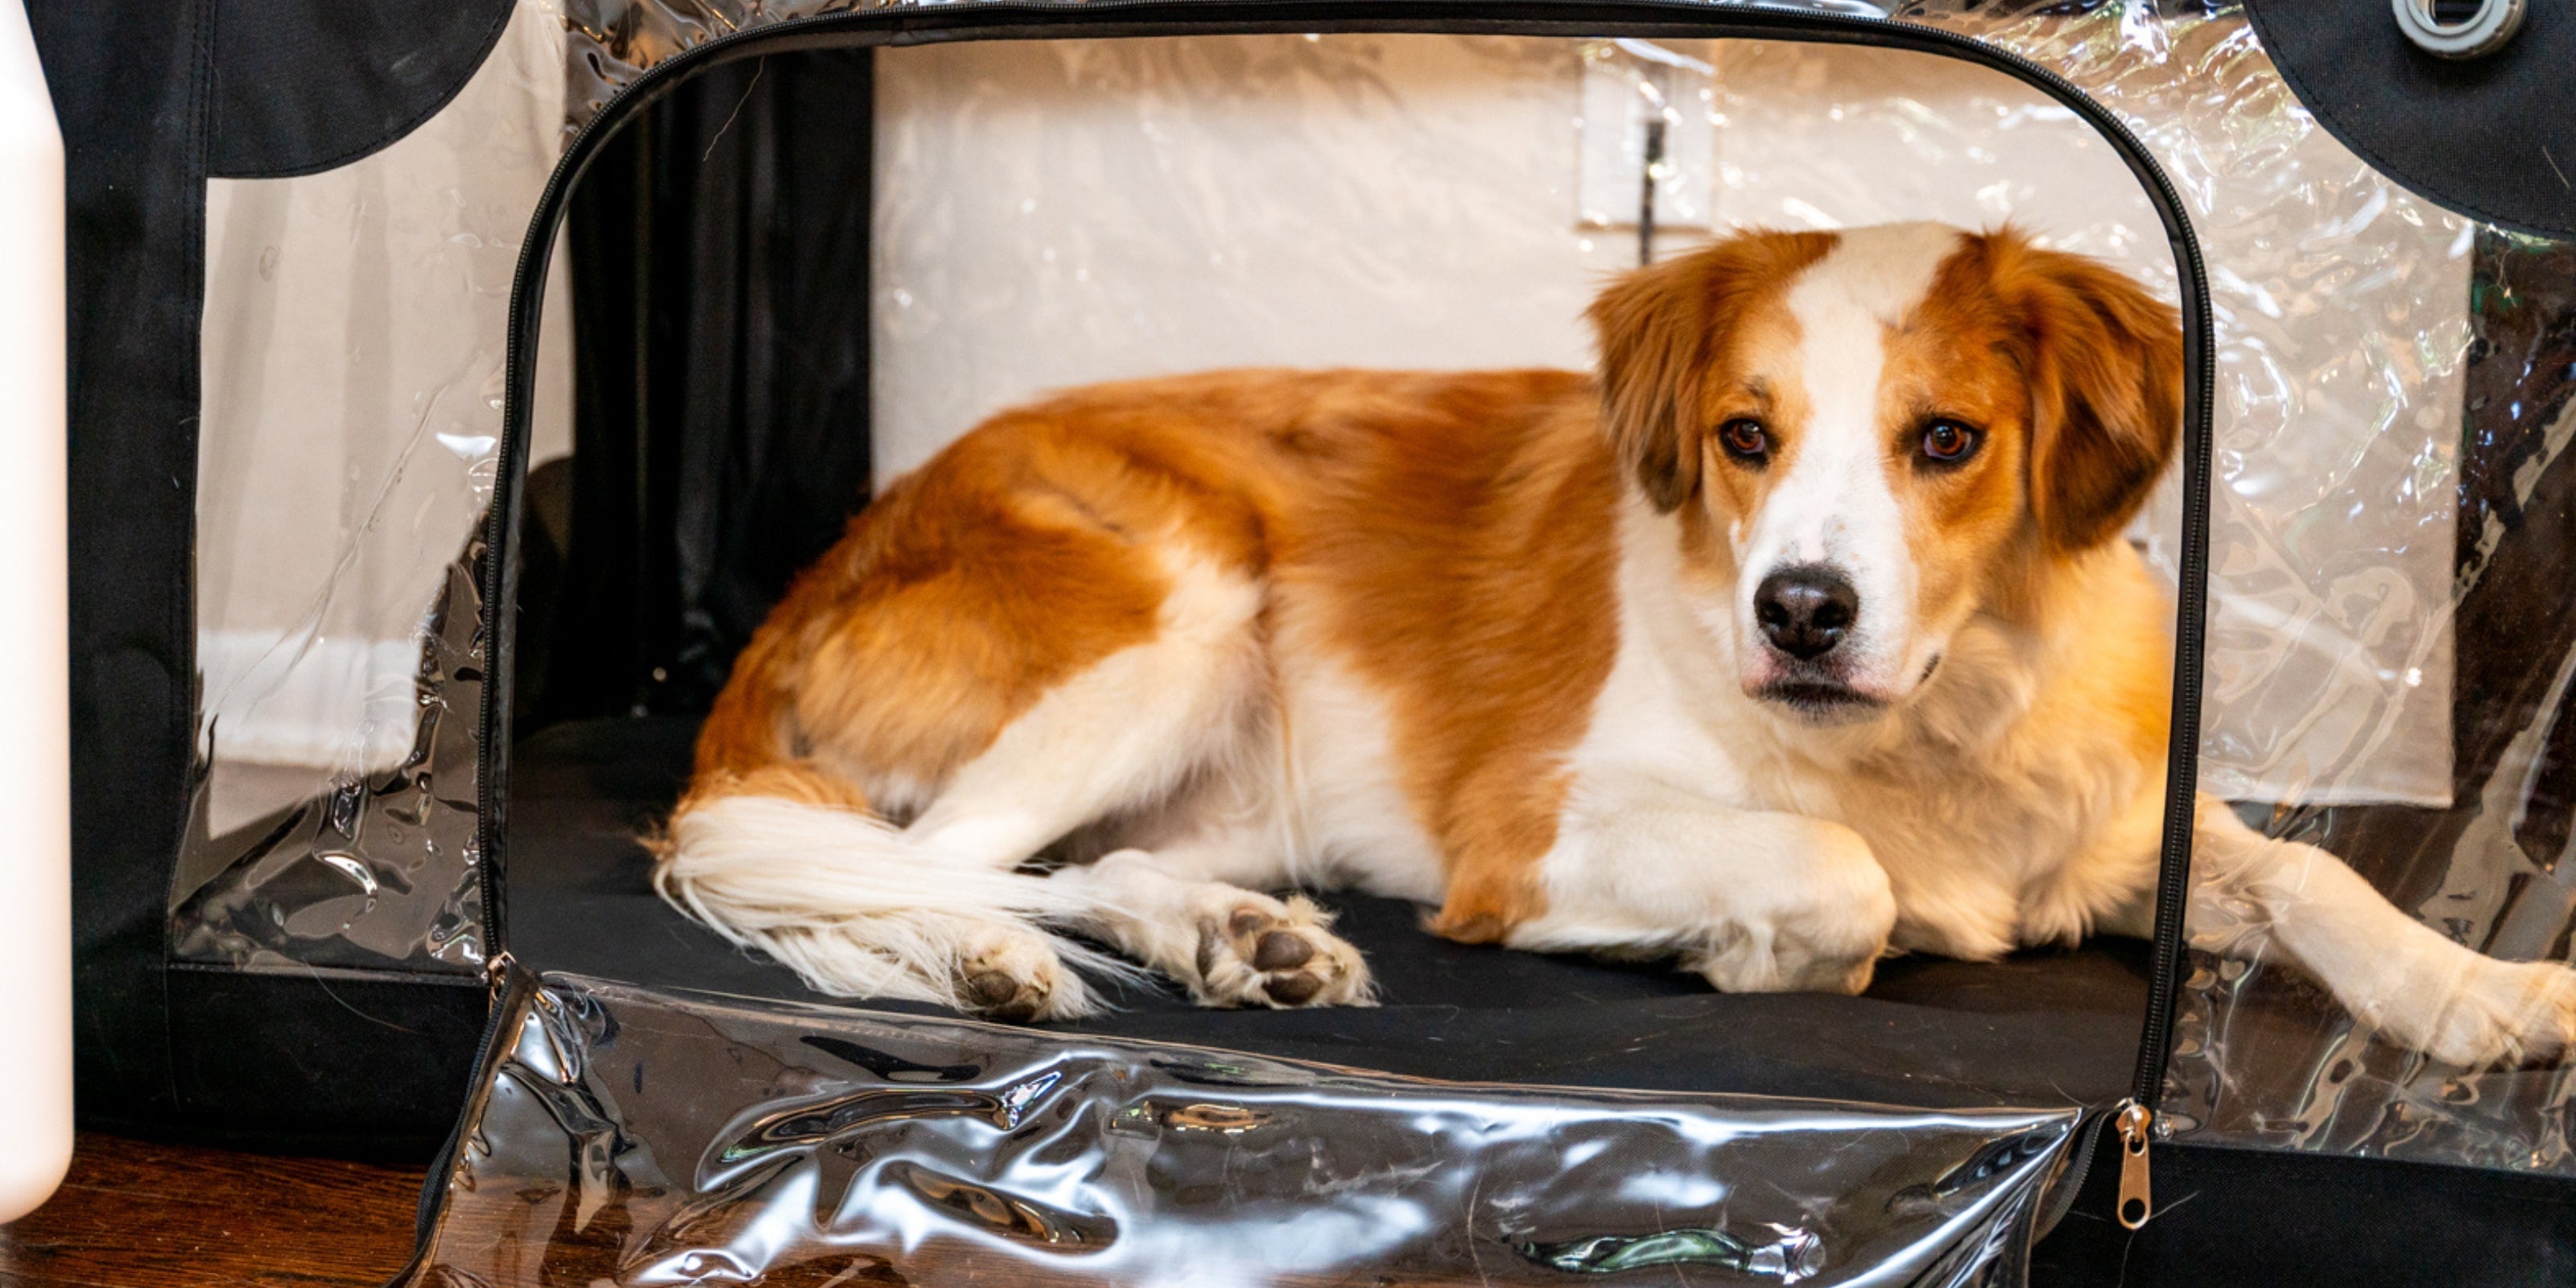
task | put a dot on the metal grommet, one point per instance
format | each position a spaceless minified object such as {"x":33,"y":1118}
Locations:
{"x":2484,"y":33}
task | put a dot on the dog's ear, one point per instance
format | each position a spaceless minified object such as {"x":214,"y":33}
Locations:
{"x":1661,"y":326}
{"x":2105,"y":364}
{"x":1653,"y":329}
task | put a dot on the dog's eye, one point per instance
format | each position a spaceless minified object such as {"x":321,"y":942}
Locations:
{"x":1746,"y":440}
{"x":1948,"y":442}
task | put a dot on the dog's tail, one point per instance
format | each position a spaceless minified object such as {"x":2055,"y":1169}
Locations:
{"x":779,"y":855}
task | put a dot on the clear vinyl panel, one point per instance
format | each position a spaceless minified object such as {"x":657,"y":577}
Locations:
{"x":2260,"y":1057}
{"x":2391,"y":412}
{"x":355,"y":334}
{"x":626,"y":1136}
{"x":354,"y":342}
{"x":1058,"y":212}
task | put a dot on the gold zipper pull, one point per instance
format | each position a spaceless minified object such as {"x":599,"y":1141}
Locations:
{"x":2136,"y":1204}
{"x":496,"y":971}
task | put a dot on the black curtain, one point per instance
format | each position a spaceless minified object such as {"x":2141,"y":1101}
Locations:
{"x":720,"y":283}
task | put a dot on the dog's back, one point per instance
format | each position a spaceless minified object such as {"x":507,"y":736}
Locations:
{"x":929,"y":700}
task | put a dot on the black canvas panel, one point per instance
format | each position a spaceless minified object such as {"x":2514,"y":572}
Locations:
{"x":128,"y":89}
{"x":134,"y":95}
{"x":2228,"y":1218}
{"x":2045,"y":1028}
{"x":2493,"y":138}
{"x":350,"y":1063}
{"x":307,"y":85}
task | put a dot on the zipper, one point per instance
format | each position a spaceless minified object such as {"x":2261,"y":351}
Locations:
{"x":2137,"y":1202}
{"x":2090,"y":1131}
{"x":1753,"y":20}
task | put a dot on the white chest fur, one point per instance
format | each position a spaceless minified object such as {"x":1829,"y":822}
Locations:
{"x":2002,"y":802}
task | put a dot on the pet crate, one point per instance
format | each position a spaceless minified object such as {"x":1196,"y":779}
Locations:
{"x":456,"y":386}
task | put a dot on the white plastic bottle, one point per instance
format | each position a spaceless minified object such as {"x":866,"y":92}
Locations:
{"x":35,"y":648}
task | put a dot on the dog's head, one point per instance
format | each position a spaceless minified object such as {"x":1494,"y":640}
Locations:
{"x":1870,"y":436}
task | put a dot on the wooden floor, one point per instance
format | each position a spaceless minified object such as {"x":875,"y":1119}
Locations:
{"x":136,"y":1215}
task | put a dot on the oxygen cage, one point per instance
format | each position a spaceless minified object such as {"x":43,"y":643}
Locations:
{"x":529,"y":348}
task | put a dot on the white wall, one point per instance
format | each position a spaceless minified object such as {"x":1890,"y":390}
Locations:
{"x":1059,"y":212}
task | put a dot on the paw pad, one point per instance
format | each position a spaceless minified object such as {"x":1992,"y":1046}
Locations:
{"x":1255,"y":956}
{"x":1013,"y":981}
{"x":1281,"y":950}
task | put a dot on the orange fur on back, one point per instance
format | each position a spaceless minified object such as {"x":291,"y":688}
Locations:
{"x":970,"y":588}
{"x":1451,"y":535}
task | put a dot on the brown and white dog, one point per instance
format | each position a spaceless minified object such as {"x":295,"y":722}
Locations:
{"x":1804,"y":633}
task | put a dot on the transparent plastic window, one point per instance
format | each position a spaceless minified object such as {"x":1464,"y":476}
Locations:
{"x":2260,"y":1057}
{"x":355,"y":332}
{"x":2380,"y":679}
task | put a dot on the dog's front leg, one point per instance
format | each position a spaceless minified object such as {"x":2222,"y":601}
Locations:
{"x":1754,"y":900}
{"x":2418,"y":988}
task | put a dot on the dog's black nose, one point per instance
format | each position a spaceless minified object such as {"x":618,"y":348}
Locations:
{"x":1805,"y":610}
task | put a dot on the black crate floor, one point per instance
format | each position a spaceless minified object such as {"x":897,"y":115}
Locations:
{"x":2038,"y":1029}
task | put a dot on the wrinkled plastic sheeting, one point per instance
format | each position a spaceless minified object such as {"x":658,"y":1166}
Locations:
{"x":2339,"y":298}
{"x":628,"y":1136}
{"x":2343,"y":554}
{"x":355,"y":338}
{"x":615,"y":41}
{"x":2262,"y":1059}
{"x":384,"y":868}
{"x":2340,"y":306}
{"x":2393,"y":404}
{"x":1052,"y":212}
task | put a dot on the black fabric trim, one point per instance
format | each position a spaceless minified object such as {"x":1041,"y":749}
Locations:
{"x":340,"y":1063}
{"x":302,"y":86}
{"x":2230,"y":1217}
{"x":2491,"y":138}
{"x":130,"y":93}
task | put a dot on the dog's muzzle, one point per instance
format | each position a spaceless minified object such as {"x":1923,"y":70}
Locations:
{"x":1805,"y":610}
{"x":1805,"y":613}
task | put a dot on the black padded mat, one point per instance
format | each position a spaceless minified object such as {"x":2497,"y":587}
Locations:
{"x":2041,"y":1028}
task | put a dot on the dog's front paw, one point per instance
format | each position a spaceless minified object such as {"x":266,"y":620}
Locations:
{"x":1821,"y":933}
{"x":1014,"y":975}
{"x":1259,"y":951}
{"x":2492,"y":1013}
{"x":1744,"y":961}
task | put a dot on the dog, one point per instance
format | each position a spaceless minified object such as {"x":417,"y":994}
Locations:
{"x":1803,"y":633}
